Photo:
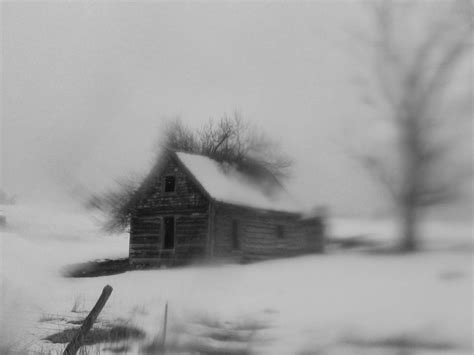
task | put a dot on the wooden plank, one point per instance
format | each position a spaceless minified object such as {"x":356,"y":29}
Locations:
{"x":148,"y":261}
{"x":154,"y":246}
{"x":144,"y":239}
{"x":143,"y":234}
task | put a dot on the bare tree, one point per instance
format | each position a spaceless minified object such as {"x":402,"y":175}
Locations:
{"x":117,"y":203}
{"x":416,"y":75}
{"x":233,"y":140}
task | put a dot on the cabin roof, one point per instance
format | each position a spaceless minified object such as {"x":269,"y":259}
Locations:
{"x":224,"y":183}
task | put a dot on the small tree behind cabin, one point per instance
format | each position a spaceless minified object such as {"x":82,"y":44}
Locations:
{"x":116,"y":203}
{"x":416,"y":83}
{"x":230,"y":140}
{"x":233,"y":140}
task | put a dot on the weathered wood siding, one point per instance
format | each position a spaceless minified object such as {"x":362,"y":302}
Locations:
{"x":190,"y":208}
{"x":259,"y":234}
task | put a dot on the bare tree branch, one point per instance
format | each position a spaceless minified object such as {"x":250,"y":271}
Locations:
{"x":380,"y":172}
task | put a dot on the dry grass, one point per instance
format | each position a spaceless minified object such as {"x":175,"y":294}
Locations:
{"x":207,"y":335}
{"x":78,"y":305}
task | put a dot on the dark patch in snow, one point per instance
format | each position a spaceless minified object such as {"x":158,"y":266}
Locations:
{"x":270,"y":310}
{"x":403,"y":341}
{"x":362,"y":242}
{"x":76,"y":322}
{"x":106,"y":267}
{"x":119,"y":349}
{"x":99,"y":335}
{"x":451,"y":275}
{"x":97,"y":268}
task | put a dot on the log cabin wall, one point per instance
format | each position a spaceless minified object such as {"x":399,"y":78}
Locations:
{"x":221,"y":234}
{"x":264,"y":234}
{"x":190,"y":209}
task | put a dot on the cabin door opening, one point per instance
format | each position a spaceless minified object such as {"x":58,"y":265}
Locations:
{"x":169,"y":229}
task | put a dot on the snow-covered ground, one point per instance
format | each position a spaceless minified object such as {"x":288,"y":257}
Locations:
{"x":337,"y":303}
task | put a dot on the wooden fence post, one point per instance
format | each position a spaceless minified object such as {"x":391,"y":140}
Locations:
{"x":164,"y":328}
{"x":78,"y":339}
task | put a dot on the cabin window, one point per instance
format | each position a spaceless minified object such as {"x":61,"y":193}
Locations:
{"x":280,"y":231}
{"x":235,"y":235}
{"x":168,"y":242}
{"x":170,"y":183}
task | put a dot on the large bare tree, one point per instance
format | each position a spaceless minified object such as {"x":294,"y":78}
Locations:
{"x":418,"y":75}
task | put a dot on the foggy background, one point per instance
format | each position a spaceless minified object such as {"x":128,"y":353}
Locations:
{"x":86,"y":87}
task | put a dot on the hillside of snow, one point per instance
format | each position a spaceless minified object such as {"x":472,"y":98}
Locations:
{"x":343,"y":302}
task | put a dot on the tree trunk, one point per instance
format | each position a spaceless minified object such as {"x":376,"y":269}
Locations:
{"x":409,"y":221}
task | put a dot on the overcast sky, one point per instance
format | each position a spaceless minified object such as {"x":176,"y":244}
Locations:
{"x":86,"y":86}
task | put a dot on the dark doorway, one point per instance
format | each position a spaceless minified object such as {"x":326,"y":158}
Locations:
{"x":169,"y":233}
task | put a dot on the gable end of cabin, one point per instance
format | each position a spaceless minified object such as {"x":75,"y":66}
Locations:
{"x":170,"y":223}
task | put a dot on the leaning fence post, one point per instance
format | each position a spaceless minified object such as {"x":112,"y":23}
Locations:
{"x":78,"y":339}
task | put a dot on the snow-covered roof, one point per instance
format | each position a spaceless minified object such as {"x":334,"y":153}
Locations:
{"x":225,"y":184}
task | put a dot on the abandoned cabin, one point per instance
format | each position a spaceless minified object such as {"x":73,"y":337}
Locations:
{"x":191,"y":207}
